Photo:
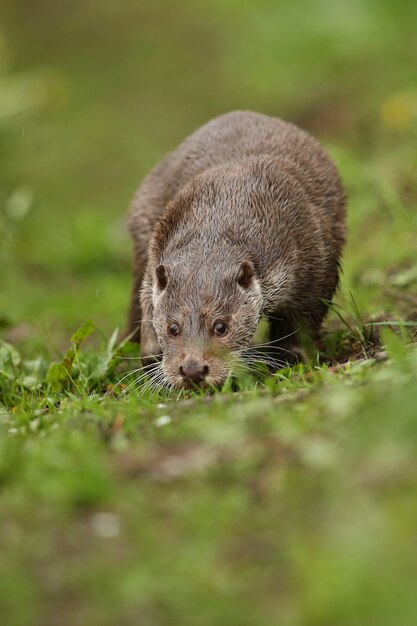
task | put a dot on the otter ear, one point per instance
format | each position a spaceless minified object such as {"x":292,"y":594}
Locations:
{"x":161,"y":276}
{"x":246,"y":274}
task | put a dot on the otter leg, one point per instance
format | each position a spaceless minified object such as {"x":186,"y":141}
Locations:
{"x":139,"y":324}
{"x":140,"y":329}
{"x":133,"y":328}
{"x":150,"y":350}
{"x":144,"y":212}
{"x":145,"y":209}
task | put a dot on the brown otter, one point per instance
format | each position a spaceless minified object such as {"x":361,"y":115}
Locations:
{"x":245,"y":218}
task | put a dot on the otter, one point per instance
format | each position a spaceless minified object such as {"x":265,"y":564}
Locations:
{"x":244,"y":219}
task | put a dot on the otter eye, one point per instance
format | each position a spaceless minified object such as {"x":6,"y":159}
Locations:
{"x":220,"y":329}
{"x":174,"y":330}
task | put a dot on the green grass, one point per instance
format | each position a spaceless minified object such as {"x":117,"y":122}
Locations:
{"x":291,"y":501}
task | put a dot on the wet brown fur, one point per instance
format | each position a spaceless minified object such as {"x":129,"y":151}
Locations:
{"x":244,"y":187}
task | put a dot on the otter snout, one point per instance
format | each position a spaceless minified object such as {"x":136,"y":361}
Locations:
{"x":193,"y":372}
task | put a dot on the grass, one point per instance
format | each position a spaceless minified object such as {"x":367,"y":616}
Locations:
{"x":296,"y":500}
{"x":291,"y":501}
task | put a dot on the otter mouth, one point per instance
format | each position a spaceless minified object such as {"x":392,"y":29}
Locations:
{"x":188,"y":385}
{"x":205,"y":385}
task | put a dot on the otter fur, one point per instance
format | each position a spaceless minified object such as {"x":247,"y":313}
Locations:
{"x":246,"y":218}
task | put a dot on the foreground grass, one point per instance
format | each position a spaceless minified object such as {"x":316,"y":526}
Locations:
{"x":293,"y":503}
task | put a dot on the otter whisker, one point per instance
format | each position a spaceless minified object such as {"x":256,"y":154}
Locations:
{"x":154,"y":384}
{"x":256,"y":366}
{"x":136,"y":371}
{"x":135,"y":358}
{"x":265,"y":360}
{"x":150,"y":371}
{"x":136,"y":384}
{"x":244,"y":370}
{"x":129,"y":388}
{"x":253,"y":365}
{"x":255,"y":358}
{"x":157,"y":385}
{"x":271,"y":317}
{"x":247,"y":367}
{"x":267,"y":343}
{"x":258,"y":346}
{"x":277,"y":348}
{"x":252,"y":353}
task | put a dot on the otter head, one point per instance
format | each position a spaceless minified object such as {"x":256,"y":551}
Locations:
{"x":203,"y":318}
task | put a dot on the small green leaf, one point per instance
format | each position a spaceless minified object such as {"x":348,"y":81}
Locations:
{"x":9,"y":356}
{"x":112,"y":341}
{"x":57,"y":375}
{"x":31,"y":382}
{"x":82,"y":333}
{"x":394,"y":345}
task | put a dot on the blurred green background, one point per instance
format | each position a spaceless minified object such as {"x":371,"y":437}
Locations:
{"x":93,"y":93}
{"x":291,"y":504}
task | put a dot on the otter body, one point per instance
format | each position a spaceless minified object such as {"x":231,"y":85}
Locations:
{"x":245,"y":218}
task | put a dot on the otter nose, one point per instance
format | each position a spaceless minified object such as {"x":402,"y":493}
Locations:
{"x":194,"y":372}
